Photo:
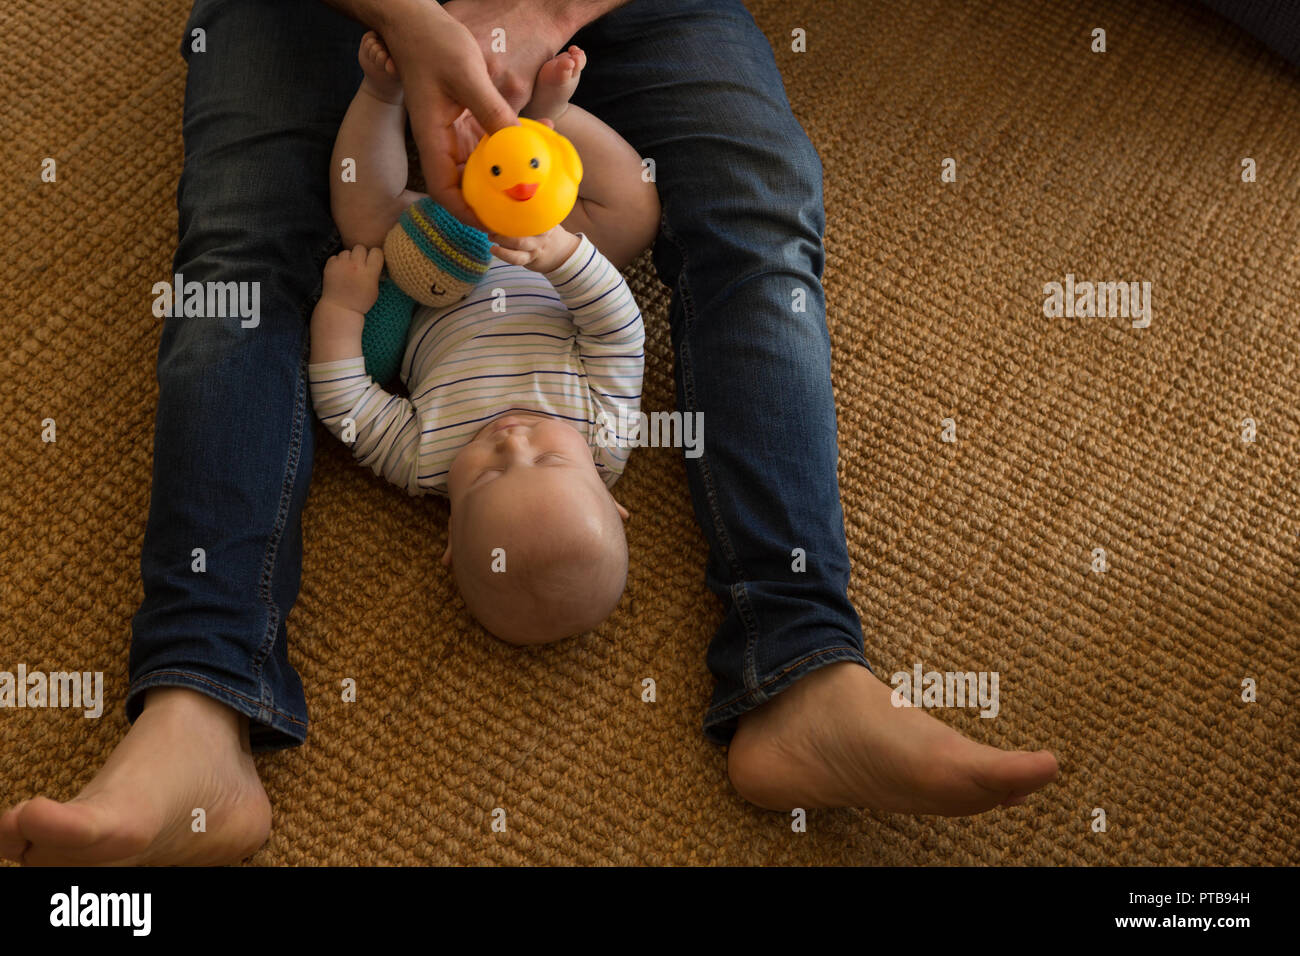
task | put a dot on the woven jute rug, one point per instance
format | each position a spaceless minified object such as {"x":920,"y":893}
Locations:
{"x":1072,"y":434}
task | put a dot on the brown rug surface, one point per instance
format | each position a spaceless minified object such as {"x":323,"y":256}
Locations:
{"x":976,"y":555}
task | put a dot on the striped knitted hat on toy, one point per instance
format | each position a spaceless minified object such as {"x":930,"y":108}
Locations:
{"x":433,"y":256}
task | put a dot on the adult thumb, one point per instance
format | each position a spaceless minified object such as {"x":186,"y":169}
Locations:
{"x":481,"y":98}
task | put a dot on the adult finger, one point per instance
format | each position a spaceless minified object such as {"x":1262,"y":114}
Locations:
{"x":473,"y":89}
{"x":436,"y":146}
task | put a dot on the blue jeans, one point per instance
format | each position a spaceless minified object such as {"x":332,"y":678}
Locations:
{"x":692,"y":85}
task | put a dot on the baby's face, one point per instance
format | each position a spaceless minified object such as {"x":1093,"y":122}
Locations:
{"x":520,"y":449}
{"x":526,"y":488}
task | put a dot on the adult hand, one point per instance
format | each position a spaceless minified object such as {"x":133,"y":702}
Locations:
{"x":532,"y":36}
{"x":443,"y":73}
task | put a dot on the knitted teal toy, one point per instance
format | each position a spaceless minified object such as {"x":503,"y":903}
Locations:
{"x":383,"y":338}
{"x":430,"y":258}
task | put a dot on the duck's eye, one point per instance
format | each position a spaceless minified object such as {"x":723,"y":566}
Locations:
{"x":534,"y":163}
{"x":496,"y":170}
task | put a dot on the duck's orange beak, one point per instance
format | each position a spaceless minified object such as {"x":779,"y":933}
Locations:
{"x":521,"y":191}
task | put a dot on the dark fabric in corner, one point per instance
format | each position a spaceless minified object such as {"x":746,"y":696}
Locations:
{"x":1274,"y":22}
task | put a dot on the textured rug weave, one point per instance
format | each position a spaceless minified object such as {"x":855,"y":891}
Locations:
{"x":1072,"y":434}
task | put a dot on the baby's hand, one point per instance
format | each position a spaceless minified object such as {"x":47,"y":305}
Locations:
{"x":543,"y":253}
{"x":467,"y":132}
{"x":352,"y":278}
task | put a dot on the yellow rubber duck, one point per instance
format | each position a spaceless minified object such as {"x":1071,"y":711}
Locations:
{"x":522,"y":180}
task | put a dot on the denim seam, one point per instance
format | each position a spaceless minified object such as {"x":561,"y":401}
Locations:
{"x":744,"y":697}
{"x":739,"y":595}
{"x":273,"y":543}
{"x":144,"y":683}
{"x":330,"y":245}
{"x":688,"y":383}
{"x":292,"y":459}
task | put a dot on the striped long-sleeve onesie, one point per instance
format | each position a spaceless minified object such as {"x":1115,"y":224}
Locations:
{"x":569,"y":344}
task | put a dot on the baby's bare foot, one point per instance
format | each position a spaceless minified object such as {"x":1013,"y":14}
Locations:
{"x":185,"y":752}
{"x":835,"y":739}
{"x":381,"y":80}
{"x":556,"y":81}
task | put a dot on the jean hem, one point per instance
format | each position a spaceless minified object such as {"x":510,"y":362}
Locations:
{"x":721,"y":720}
{"x":269,"y":729}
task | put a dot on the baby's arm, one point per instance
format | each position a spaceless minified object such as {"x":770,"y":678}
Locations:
{"x":385,"y":428}
{"x":616,"y":208}
{"x":373,"y":137}
{"x":611,"y":337}
{"x":610,"y":333}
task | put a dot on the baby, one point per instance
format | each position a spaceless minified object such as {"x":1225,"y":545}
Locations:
{"x":512,"y":383}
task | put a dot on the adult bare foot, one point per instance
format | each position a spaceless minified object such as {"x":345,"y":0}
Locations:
{"x":185,"y":751}
{"x":835,"y":739}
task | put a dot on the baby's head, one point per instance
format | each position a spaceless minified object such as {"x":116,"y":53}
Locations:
{"x":536,"y":538}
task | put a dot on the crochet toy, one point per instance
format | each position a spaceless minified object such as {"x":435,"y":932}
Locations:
{"x":430,"y":258}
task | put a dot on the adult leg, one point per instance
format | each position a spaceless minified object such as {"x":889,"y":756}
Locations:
{"x":232,"y":454}
{"x":694,"y":86}
{"x":233,"y":435}
{"x":740,"y":245}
